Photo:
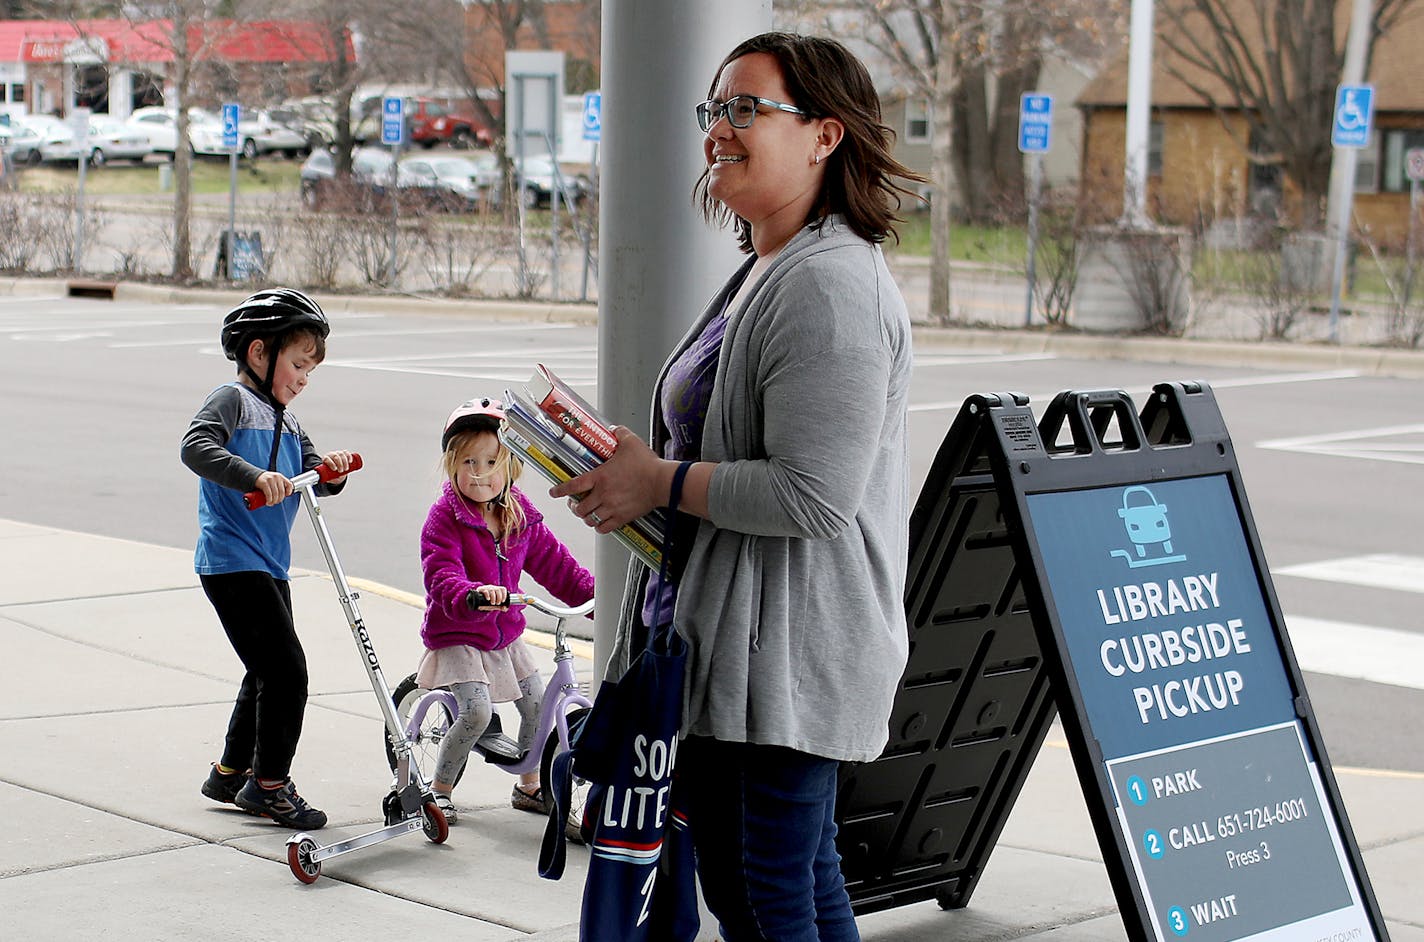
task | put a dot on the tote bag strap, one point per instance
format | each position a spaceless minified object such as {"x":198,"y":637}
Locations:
{"x":552,"y":851}
{"x":661,"y":639}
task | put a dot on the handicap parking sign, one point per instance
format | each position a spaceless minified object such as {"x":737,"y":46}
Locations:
{"x":392,"y":120}
{"x":229,"y":126}
{"x":1354,"y":109}
{"x":592,"y":116}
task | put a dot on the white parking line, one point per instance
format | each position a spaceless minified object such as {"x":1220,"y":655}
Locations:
{"x":1379,"y":655}
{"x":1361,"y":443}
{"x":1375,"y":571}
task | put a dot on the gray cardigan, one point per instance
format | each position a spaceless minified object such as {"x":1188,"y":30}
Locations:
{"x":792,"y":600}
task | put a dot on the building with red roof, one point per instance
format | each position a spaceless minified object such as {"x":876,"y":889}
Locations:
{"x":115,"y":66}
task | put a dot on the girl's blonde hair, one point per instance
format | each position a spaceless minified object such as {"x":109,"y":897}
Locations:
{"x":511,"y":513}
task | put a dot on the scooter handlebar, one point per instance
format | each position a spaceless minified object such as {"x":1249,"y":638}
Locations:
{"x":318,"y":475}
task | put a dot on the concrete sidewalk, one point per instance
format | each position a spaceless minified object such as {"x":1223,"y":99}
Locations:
{"x":118,"y":684}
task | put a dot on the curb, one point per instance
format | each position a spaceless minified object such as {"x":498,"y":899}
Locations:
{"x":1367,"y":361}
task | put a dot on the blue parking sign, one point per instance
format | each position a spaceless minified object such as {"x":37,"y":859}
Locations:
{"x":1035,"y":123}
{"x":229,"y":125}
{"x":1354,"y":112}
{"x":392,"y":120}
{"x":592,"y":116}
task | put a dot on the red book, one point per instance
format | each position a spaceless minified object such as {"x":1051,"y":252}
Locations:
{"x":559,"y":402}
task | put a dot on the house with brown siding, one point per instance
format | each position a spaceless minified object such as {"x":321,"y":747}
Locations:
{"x":1199,"y":166}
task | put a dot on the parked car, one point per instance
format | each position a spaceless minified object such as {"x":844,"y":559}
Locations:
{"x":20,"y":142}
{"x":540,"y":182}
{"x":257,"y":133}
{"x":448,"y":182}
{"x":428,"y":123}
{"x":370,"y":178}
{"x":107,"y":139}
{"x":313,"y":116}
{"x":160,"y":126}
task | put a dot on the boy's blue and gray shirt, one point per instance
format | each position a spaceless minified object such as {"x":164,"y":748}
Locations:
{"x":227,"y":445}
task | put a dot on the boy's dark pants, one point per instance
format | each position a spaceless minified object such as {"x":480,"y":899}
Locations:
{"x":256,"y":612}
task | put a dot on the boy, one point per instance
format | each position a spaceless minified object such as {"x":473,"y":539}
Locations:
{"x":241,"y":440}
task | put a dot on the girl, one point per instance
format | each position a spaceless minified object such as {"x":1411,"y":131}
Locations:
{"x":480,"y":534}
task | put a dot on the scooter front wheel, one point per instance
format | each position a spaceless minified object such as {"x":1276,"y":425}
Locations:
{"x":433,"y":822}
{"x":299,"y":859}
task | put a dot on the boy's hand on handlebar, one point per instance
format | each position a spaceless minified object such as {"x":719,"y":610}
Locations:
{"x":485,"y":598}
{"x":338,"y":461}
{"x":275,"y":487}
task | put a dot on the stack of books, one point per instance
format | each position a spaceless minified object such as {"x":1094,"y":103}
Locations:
{"x":554,"y":430}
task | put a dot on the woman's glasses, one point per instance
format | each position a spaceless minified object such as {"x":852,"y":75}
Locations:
{"x":740,"y":110}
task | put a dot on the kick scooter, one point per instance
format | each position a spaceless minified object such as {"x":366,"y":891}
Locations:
{"x":410,"y":806}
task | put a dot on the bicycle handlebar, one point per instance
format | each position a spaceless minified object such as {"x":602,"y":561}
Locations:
{"x":318,"y":475}
{"x":548,"y":608}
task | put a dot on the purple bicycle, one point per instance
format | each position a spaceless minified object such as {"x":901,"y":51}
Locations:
{"x":428,"y":714}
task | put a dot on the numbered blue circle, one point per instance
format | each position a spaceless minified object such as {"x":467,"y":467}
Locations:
{"x":1137,"y":790}
{"x":1177,"y":920}
{"x":1152,"y":843}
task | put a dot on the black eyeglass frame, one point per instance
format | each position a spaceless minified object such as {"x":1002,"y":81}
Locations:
{"x":711,"y":111}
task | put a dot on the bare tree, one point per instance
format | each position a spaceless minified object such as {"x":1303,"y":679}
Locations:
{"x":971,"y":60}
{"x":464,"y":44}
{"x":1277,"y":62}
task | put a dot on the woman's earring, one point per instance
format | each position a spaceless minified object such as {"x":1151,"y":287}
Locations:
{"x":818,"y":158}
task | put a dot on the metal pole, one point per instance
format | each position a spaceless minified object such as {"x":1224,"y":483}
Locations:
{"x":231,"y":236}
{"x":587,"y":255}
{"x":658,"y":263}
{"x":1035,"y":189}
{"x":1411,"y":255}
{"x":1346,"y":158}
{"x":395,"y":202}
{"x":1342,"y":168}
{"x":79,"y":209}
{"x":1139,"y":115}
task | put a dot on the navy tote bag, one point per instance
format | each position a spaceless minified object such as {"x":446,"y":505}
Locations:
{"x":641,"y":884}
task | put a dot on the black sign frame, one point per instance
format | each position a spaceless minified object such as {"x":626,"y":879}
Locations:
{"x":995,"y":458}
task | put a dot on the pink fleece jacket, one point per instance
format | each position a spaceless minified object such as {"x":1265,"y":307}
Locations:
{"x":458,"y":552}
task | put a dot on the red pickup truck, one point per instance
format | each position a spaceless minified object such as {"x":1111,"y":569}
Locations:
{"x":428,"y":122}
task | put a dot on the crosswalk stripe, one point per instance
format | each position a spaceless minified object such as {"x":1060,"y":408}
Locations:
{"x":1375,"y":571}
{"x":1379,"y":655}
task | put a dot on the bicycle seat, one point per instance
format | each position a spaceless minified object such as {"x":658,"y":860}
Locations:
{"x":496,"y":747}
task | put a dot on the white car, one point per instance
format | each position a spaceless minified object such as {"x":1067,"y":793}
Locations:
{"x":160,"y":126}
{"x":257,"y":133}
{"x":107,"y":139}
{"x":452,"y":183}
{"x":21,"y":143}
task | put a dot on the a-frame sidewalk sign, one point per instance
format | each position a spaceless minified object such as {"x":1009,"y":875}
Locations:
{"x":1105,"y":563}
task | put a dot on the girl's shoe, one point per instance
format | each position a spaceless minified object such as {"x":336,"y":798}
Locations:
{"x":534,"y":801}
{"x":447,"y":808}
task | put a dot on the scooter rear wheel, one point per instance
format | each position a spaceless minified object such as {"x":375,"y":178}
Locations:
{"x":299,"y":859}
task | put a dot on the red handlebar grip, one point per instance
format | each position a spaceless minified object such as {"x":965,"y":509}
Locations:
{"x":256,"y":499}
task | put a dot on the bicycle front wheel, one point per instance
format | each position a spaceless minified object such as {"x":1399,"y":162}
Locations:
{"x":425,"y":743}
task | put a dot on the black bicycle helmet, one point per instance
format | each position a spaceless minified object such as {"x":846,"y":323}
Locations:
{"x":267,"y":313}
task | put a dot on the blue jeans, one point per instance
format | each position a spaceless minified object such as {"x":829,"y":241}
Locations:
{"x":763,"y":826}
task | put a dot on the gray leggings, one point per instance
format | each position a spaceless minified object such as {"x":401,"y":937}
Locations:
{"x":473,"y":698}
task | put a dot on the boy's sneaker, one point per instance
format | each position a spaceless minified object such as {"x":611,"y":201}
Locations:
{"x":223,"y":787}
{"x":282,"y":805}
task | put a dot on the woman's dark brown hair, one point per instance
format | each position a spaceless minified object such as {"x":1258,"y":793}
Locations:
{"x":826,"y":80}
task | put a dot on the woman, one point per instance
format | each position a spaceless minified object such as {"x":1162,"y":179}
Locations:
{"x":789,"y":393}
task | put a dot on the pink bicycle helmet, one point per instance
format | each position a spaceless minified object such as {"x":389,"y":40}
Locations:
{"x":474,"y":415}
